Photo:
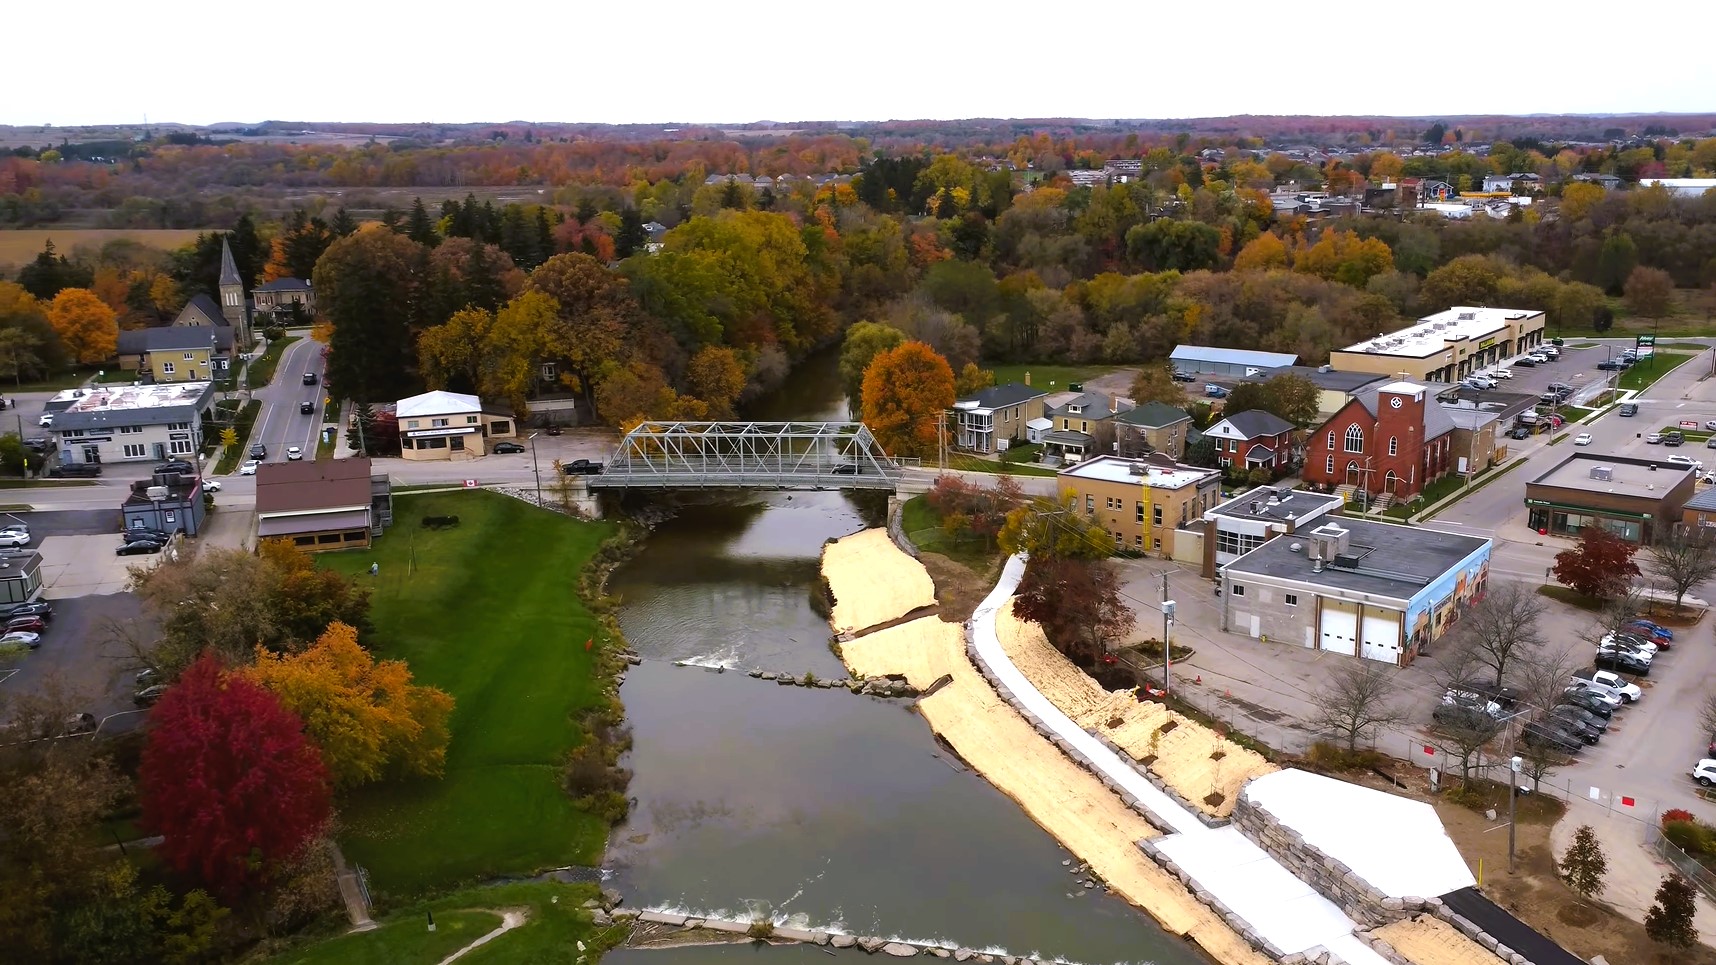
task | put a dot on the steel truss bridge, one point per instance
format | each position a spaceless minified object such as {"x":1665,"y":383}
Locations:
{"x":749,"y":455}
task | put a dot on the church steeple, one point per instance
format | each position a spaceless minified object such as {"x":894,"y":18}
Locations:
{"x":233,"y":305}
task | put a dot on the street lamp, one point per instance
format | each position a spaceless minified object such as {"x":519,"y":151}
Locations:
{"x":534,"y":467}
{"x":1513,"y":766}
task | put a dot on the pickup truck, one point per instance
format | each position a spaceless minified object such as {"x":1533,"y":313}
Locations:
{"x":1214,"y":391}
{"x":1608,"y":680}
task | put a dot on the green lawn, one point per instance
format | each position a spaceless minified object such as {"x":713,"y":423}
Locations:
{"x":489,"y":612}
{"x":1043,"y":375}
{"x":923,"y":525}
{"x":262,"y":370}
{"x":53,"y":383}
{"x":969,"y":463}
{"x":1644,"y":374}
{"x":554,"y":926}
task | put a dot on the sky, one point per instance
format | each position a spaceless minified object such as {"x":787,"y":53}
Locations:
{"x":202,"y":62}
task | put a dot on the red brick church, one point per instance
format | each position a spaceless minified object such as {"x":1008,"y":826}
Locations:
{"x":1393,"y":440}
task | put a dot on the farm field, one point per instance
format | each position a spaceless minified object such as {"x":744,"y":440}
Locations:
{"x":20,"y":246}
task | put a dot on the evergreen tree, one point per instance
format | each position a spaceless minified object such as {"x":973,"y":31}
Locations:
{"x":249,"y":254}
{"x":631,"y":238}
{"x":544,"y":239}
{"x":51,"y":272}
{"x":465,"y":223}
{"x":766,"y":200}
{"x":517,"y":236}
{"x":488,"y":224}
{"x":450,"y":219}
{"x":482,"y":287}
{"x":1615,"y":261}
{"x":393,"y":220}
{"x":1583,"y":866}
{"x":419,"y":227}
{"x":1669,"y":921}
{"x":588,"y":246}
{"x":343,"y":224}
{"x":586,"y":210}
{"x":362,"y":427}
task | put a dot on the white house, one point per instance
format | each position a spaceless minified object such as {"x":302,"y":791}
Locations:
{"x":131,"y":423}
{"x":449,"y":425}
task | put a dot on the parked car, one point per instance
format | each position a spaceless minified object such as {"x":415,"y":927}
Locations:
{"x":148,"y":695}
{"x":28,"y":624}
{"x":40,"y":608}
{"x":138,"y":548}
{"x":1180,"y":376}
{"x":1459,"y":715}
{"x":259,"y":451}
{"x":1704,"y":772}
{"x":1520,"y":432}
{"x":14,"y":539}
{"x":1611,"y":365}
{"x":1502,"y":374}
{"x":1525,"y":361}
{"x":1475,"y":700}
{"x":306,"y":408}
{"x":248,"y":468}
{"x":502,"y":448}
{"x":1591,"y":702}
{"x":1572,"y":727}
{"x":1582,"y":439}
{"x":1480,"y":382}
{"x":80,"y":724}
{"x":1214,"y":391}
{"x":146,"y":535}
{"x":1672,"y":438}
{"x":582,"y":467}
{"x":1623,"y":662}
{"x":1653,"y":438}
{"x":1539,"y":734}
{"x":75,"y":470}
{"x":551,"y":429}
{"x":309,"y":378}
{"x":174,"y":465}
{"x":293,"y":453}
{"x":1629,"y":409}
{"x":21,"y":638}
{"x":1627,"y":691}
{"x":46,"y":420}
{"x":1680,"y":460}
{"x":1656,"y":629}
{"x":37,"y":443}
{"x":1597,"y":722}
{"x":1710,"y":443}
{"x":1541,"y":357}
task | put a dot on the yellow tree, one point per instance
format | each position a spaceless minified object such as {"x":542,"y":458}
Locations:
{"x":907,"y":390}
{"x":366,"y":715}
{"x":1577,"y":200}
{"x":456,"y":349}
{"x":717,"y":376}
{"x":1261,"y":253}
{"x":89,"y":329}
{"x":518,"y":343}
{"x":1345,"y":257}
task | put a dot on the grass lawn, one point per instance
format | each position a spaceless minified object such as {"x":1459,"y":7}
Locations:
{"x":242,"y":422}
{"x":969,"y":463}
{"x":1643,"y":375}
{"x":555,"y":925}
{"x":1050,"y":378}
{"x":262,"y":370}
{"x":487,"y":611}
{"x":923,"y":525}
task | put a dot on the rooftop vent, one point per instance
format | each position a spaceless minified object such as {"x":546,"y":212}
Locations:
{"x":1603,"y":473}
{"x":1324,"y":369}
{"x":1138,"y":469}
{"x":1296,"y":548}
{"x":1468,"y":316}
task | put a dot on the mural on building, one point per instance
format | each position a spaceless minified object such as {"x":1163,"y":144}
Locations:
{"x":1436,"y":608}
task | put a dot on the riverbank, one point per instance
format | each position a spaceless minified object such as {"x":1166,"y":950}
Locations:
{"x":503,"y":612}
{"x":1067,"y":801}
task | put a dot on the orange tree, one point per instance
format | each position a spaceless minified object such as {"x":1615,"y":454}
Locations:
{"x":906,"y":390}
{"x":87,"y":326}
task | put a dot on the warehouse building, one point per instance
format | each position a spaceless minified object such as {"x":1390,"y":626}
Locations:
{"x":1242,"y":363}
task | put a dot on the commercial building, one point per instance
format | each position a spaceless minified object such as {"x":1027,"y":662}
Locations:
{"x":1630,"y":497}
{"x":20,"y":576}
{"x":177,"y":353}
{"x":1247,"y":521}
{"x":1141,"y":502}
{"x":169,"y":502}
{"x":1447,"y":346}
{"x":449,"y":425}
{"x":1390,"y":441}
{"x":995,"y":418}
{"x":1206,"y":360}
{"x":328,"y":504}
{"x":1681,"y":187}
{"x":1356,"y":588}
{"x":133,"y":423}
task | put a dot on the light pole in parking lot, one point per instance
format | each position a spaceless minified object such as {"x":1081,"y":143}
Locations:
{"x":535,"y":467}
{"x":1512,"y":793}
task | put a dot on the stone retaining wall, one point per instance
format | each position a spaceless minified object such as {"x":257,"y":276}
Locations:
{"x":1331,"y":878}
{"x":897,"y":527}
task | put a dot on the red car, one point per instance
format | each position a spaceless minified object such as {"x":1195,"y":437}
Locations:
{"x":26,"y":624}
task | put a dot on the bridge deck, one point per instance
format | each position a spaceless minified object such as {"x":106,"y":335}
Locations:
{"x":747,"y":455}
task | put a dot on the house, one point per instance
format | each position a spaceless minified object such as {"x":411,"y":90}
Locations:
{"x":1354,"y":587}
{"x":449,"y":425}
{"x":1391,"y":441}
{"x":328,"y":504}
{"x":1204,"y":360}
{"x":177,"y":353}
{"x":1152,"y":427}
{"x":1140,"y":502}
{"x":1334,"y":389}
{"x":1632,"y":497}
{"x":169,"y":502}
{"x":233,"y":309}
{"x":1508,"y":183}
{"x":285,"y":299}
{"x":1254,"y":439}
{"x":131,"y":423}
{"x":1082,"y":427}
{"x":1247,"y":521}
{"x":1607,"y":182}
{"x":990,"y":420}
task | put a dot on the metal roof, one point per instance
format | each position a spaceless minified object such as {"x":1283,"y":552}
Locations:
{"x":1233,"y":356}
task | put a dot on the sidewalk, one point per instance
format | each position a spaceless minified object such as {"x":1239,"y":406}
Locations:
{"x":230,"y":527}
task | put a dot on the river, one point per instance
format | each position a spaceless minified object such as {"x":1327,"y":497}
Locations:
{"x":816,"y":806}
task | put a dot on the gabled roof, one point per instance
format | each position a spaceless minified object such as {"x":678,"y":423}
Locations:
{"x":285,"y":285}
{"x":1092,"y":405}
{"x":174,"y":338}
{"x":1437,"y":422}
{"x":1705,"y":500}
{"x":437,"y":403}
{"x":1001,"y":396}
{"x":228,"y":268}
{"x":1153,"y":415}
{"x":1253,"y":423}
{"x":207,"y":306}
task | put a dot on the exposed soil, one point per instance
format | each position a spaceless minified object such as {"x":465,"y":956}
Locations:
{"x":958,"y":588}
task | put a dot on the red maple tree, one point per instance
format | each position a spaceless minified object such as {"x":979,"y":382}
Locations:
{"x":228,"y":779}
{"x":1077,"y":602}
{"x":1600,"y":566}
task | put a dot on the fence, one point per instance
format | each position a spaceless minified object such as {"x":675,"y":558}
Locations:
{"x":1684,"y":863}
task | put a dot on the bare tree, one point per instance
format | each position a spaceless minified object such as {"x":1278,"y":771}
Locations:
{"x":1465,"y":737}
{"x":1681,"y":558}
{"x":1543,"y":677}
{"x":1502,"y":627}
{"x":1357,"y":700}
{"x":1707,"y":718}
{"x":1463,"y":733}
{"x":1622,"y":609}
{"x":1537,"y":760}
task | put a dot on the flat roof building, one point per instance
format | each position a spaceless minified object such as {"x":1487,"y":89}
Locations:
{"x":1205,"y":360}
{"x":128,"y":423}
{"x":1247,"y":521}
{"x":1629,"y":496}
{"x":1141,"y":502}
{"x":1355,"y":587}
{"x":1446,"y":346}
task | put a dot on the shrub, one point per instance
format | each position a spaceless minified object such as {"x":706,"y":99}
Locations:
{"x":1689,"y":836}
{"x":761,"y":930}
{"x":1676,"y":814}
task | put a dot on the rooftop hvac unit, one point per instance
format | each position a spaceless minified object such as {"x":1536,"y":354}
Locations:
{"x":1603,"y":473}
{"x":1138,"y":469}
{"x":1468,"y":316}
{"x":156,"y":492}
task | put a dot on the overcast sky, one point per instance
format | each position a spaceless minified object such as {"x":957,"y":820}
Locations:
{"x":200,"y":62}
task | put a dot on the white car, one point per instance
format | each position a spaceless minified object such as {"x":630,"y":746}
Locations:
{"x":211,"y":485}
{"x":293,"y":452}
{"x":1686,"y":461}
{"x":20,"y":638}
{"x":14,"y":538}
{"x":248,"y":467}
{"x":1614,"y":682}
{"x":1705,"y":772}
{"x":47,"y":419}
{"x":1582,"y":439}
{"x":1502,"y":374}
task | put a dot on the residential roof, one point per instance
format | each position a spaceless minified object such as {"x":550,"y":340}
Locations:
{"x":1270,"y":503}
{"x":1324,"y":377}
{"x":1068,"y":437}
{"x":1093,"y":405}
{"x":1253,"y":423}
{"x":1382,"y":559}
{"x":1628,"y":476}
{"x":309,"y":487}
{"x":1705,"y":500}
{"x":1400,"y":848}
{"x":1470,"y":418}
{"x":1232,"y":356}
{"x":228,"y":269}
{"x":1435,"y":333}
{"x":285,"y":285}
{"x":108,"y":406}
{"x":1139,"y":472}
{"x":174,"y":338}
{"x":208,"y":306}
{"x":437,"y":403}
{"x":311,"y":522}
{"x":1153,"y":415}
{"x":1001,"y":396}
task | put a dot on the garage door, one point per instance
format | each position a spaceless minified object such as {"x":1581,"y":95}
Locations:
{"x":1338,"y":627}
{"x":1381,"y":637}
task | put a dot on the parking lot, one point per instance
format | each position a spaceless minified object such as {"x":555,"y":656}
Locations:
{"x":1576,"y":367}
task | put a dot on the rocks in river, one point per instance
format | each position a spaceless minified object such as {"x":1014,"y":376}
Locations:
{"x":1066,"y":862}
{"x":899,"y":949}
{"x":785,"y":681}
{"x":768,"y":675}
{"x":610,"y":898}
{"x":842,"y":941}
{"x":962,"y":954}
{"x":756,"y":673}
{"x":937,"y":952}
{"x":871,"y":945}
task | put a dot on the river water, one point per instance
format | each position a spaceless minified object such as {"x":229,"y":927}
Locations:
{"x":815,"y":806}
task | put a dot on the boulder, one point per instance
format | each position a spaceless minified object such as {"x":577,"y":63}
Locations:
{"x":899,"y":949}
{"x":610,"y":898}
{"x":842,"y":941}
{"x":785,"y":681}
{"x":962,"y":954}
{"x":625,"y":914}
{"x":691,"y":923}
{"x":794,"y":934}
{"x":937,"y":952}
{"x":871,"y":945}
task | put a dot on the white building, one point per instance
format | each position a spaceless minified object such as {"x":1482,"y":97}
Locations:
{"x":132,"y":423}
{"x":449,"y":425}
{"x":1682,"y":187}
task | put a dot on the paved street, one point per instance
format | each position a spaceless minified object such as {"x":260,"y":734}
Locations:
{"x":280,"y":424}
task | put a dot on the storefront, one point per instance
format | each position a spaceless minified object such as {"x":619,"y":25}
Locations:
{"x":1630,"y":497}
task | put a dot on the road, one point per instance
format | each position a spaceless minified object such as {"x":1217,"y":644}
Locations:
{"x":280,"y":425}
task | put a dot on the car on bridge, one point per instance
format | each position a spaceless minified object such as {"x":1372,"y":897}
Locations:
{"x":582,"y":467}
{"x":846,"y":469}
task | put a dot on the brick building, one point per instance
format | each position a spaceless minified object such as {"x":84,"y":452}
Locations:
{"x":1389,"y":441}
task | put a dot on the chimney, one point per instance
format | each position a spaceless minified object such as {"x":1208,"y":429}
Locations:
{"x":1027,"y":377}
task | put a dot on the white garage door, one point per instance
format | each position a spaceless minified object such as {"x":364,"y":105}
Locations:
{"x":1338,"y":628}
{"x":1381,"y":637}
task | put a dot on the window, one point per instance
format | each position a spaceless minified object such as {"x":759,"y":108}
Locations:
{"x":1355,"y":439}
{"x":1139,"y":509}
{"x":1237,"y":544}
{"x":1331,"y":440}
{"x":1329,"y":464}
{"x":438,"y":423}
{"x":190,"y":355}
{"x":1156,"y":544}
{"x":470,"y":420}
{"x":1138,"y":540}
{"x":548,"y":372}
{"x":410,"y":423}
{"x":166,"y":368}
{"x":179,"y":425}
{"x":1119,"y":541}
{"x":458,"y":443}
{"x":1089,"y":504}
{"x":1393,"y":445}
{"x":1238,"y":590}
{"x":135,"y":451}
{"x":1292,"y":599}
{"x":181,"y":447}
{"x":1156,"y":514}
{"x":1083,"y":426}
{"x":128,"y":430}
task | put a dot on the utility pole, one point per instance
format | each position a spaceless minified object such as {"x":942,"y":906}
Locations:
{"x":535,"y":467}
{"x":1512,"y":792}
{"x":1167,"y":640}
